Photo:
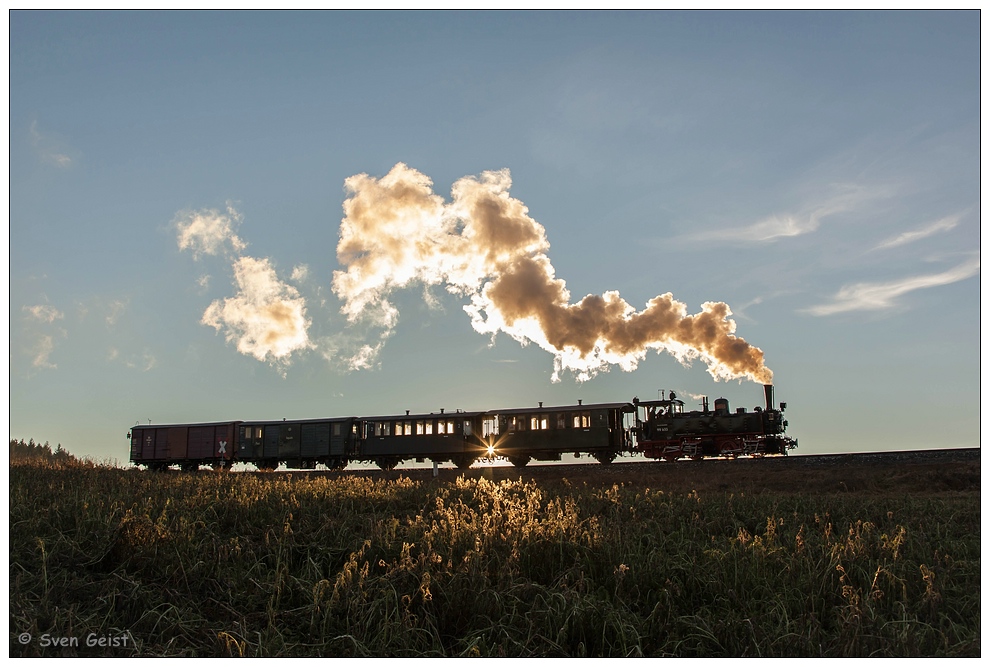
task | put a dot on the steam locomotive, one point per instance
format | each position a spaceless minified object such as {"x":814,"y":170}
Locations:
{"x":658,"y":429}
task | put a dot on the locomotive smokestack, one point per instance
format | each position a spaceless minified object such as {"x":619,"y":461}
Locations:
{"x":768,"y":392}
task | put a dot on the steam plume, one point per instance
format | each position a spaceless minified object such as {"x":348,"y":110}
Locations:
{"x":209,"y":231}
{"x":484,"y":245}
{"x":267,"y":318}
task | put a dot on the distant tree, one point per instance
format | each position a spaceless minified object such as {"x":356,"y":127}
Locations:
{"x":31,"y":452}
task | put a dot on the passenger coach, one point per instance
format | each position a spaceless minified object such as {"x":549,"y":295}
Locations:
{"x":459,"y":437}
{"x":299,"y":443}
{"x":544,"y":434}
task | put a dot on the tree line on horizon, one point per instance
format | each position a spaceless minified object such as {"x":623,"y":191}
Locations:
{"x":33,"y":452}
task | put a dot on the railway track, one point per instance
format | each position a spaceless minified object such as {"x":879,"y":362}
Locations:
{"x":921,"y":471}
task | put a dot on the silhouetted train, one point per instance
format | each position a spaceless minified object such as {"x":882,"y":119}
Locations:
{"x":659,"y":429}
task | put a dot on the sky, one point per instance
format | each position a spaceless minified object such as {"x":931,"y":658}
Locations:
{"x":219,"y":216}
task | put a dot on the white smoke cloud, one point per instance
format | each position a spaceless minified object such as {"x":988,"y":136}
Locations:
{"x":209,"y":231}
{"x":484,"y":245}
{"x":884,"y":295}
{"x":266,"y":319}
{"x":300,"y":273}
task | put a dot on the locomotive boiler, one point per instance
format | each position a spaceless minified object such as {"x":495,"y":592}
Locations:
{"x":665,"y":431}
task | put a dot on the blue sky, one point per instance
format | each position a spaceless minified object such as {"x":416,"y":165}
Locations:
{"x":176,"y":176}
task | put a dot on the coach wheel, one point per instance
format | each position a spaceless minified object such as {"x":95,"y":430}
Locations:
{"x":337,"y":463}
{"x":387,"y":462}
{"x":519,"y":461}
{"x":604,"y":457}
{"x":189,"y":467}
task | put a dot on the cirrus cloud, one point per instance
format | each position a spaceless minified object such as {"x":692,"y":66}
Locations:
{"x":884,"y":295}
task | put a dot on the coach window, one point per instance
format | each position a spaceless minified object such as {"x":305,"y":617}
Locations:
{"x":407,"y":428}
{"x":561,"y":420}
{"x":429,"y":427}
{"x":420,"y":427}
{"x":336,"y":428}
{"x":538,"y":423}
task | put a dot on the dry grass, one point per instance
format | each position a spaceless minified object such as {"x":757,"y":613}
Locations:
{"x":385,"y":565}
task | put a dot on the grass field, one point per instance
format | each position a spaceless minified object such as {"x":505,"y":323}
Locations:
{"x":697,"y":561}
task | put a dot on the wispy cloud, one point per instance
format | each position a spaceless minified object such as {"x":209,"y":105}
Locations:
{"x":881,"y":296}
{"x":43,"y":348}
{"x":144,"y":363}
{"x":50,"y":149}
{"x":42,"y":336}
{"x":116,"y":310}
{"x":789,"y":225}
{"x":945,"y":224}
{"x":43,"y":313}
